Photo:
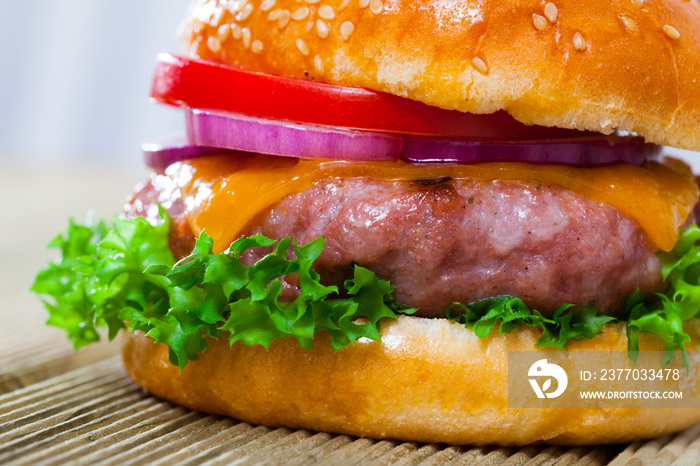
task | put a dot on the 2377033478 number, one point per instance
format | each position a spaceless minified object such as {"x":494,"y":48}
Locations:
{"x":640,"y":374}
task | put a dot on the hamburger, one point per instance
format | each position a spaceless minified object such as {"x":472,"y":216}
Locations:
{"x":377,"y":201}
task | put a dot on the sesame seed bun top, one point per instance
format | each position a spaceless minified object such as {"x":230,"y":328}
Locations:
{"x":632,"y":65}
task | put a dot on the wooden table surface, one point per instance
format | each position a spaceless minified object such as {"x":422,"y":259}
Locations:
{"x":59,"y":407}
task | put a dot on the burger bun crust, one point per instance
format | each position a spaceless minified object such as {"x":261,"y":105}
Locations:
{"x":428,"y":380}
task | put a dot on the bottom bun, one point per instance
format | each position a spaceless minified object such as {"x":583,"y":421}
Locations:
{"x":429,"y":380}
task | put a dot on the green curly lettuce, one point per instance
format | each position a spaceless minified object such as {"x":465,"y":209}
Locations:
{"x":508,"y":313}
{"x":125,"y":277}
{"x":664,"y":316}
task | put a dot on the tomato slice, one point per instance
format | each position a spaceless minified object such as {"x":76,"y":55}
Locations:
{"x":210,"y":85}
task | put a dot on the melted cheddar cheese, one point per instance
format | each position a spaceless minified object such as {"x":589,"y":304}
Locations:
{"x":222,"y":194}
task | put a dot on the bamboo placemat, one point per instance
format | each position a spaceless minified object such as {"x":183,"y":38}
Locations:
{"x":61,"y":407}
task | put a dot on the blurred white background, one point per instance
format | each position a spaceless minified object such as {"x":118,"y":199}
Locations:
{"x":75,"y":77}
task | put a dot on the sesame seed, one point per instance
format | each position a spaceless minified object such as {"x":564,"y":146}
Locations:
{"x":214,"y":44}
{"x":364,"y":3}
{"x":245,"y":12}
{"x":267,"y":5}
{"x":480,"y":65}
{"x":579,"y":42}
{"x":301,"y":13}
{"x":318,"y":64}
{"x":343,"y":5}
{"x":346,"y":30}
{"x":540,"y":22}
{"x":236,"y":31}
{"x":301,"y":45}
{"x":198,"y":48}
{"x":629,"y":23}
{"x":376,"y":7}
{"x":235,"y":7}
{"x":638,"y":2}
{"x":215,"y":18}
{"x":246,"y":37}
{"x":256,"y":46}
{"x":274,"y":15}
{"x":197,"y":26}
{"x":223,"y":32}
{"x":326,"y":12}
{"x":284,"y":19}
{"x":312,"y":2}
{"x":551,"y":12}
{"x":322,"y":29}
{"x":671,"y":32}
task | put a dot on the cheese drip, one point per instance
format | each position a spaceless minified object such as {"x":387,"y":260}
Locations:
{"x":223,"y":194}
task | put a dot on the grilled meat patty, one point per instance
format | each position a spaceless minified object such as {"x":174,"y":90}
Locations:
{"x":440,"y":241}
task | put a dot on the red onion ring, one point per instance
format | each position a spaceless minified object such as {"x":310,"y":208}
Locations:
{"x":587,"y":151}
{"x":252,"y":134}
{"x":211,"y":132}
{"x":158,"y":155}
